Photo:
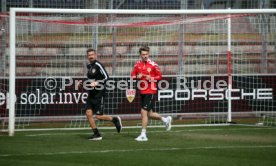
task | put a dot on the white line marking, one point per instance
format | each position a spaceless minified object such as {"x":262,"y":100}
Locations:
{"x":137,"y":150}
{"x":158,"y":131}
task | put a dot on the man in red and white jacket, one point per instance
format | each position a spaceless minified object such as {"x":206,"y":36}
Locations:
{"x":148,"y":73}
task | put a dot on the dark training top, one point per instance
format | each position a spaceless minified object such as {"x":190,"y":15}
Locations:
{"x":96,"y":71}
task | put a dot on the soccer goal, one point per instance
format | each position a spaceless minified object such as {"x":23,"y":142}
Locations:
{"x":218,"y":65}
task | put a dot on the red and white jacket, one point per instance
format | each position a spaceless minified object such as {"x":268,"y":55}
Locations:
{"x":147,"y":68}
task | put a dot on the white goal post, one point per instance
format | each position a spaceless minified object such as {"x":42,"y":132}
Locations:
{"x":12,"y":50}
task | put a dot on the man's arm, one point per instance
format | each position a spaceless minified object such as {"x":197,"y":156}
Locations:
{"x":135,"y":73}
{"x":103,"y":72}
{"x":158,"y":73}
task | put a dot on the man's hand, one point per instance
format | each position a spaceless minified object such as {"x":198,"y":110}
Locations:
{"x":94,"y":84}
{"x":148,"y":77}
{"x":80,"y":85}
{"x":139,"y":75}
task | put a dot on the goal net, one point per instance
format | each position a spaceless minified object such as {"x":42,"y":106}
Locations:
{"x":218,"y":67}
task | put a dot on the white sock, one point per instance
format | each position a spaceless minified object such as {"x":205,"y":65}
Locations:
{"x":143,"y":132}
{"x":164,"y":119}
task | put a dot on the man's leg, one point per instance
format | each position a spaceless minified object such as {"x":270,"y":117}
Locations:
{"x":167,"y":121}
{"x":154,"y":115}
{"x":99,"y":109}
{"x":143,"y":135}
{"x":146,"y":104}
{"x":96,"y":135}
{"x":145,"y":120}
{"x":116,"y":120}
{"x":104,"y":117}
{"x":89,"y":116}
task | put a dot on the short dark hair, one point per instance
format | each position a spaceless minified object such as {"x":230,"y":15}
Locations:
{"x":144,"y":48}
{"x":90,"y":50}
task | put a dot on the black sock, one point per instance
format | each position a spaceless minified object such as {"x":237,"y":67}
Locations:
{"x":113,"y":119}
{"x":96,"y":131}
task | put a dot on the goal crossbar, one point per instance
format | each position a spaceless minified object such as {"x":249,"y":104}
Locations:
{"x":125,"y":11}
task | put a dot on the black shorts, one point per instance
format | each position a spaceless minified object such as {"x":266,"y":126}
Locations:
{"x":147,"y":101}
{"x":96,"y":104}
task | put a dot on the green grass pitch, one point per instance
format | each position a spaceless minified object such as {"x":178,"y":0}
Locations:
{"x":183,"y":146}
